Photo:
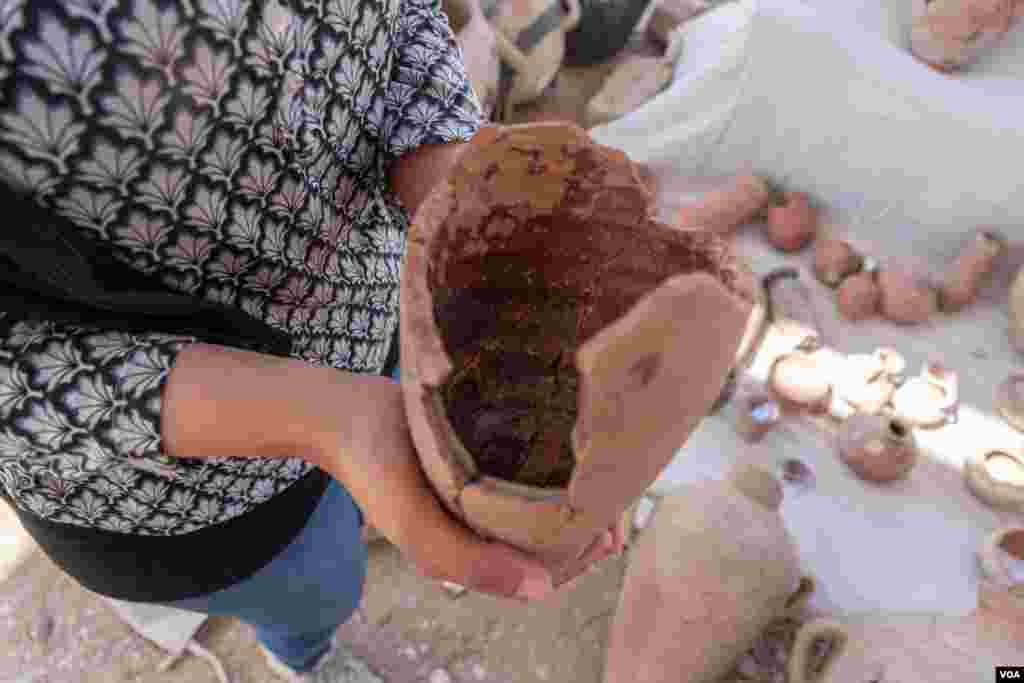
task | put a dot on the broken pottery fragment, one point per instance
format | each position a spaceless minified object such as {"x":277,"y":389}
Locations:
{"x":633,"y":82}
{"x":834,"y":261}
{"x":790,"y":302}
{"x":1015,"y":309}
{"x":713,"y":569}
{"x":902,"y":648}
{"x":952,"y":34}
{"x":922,"y":403}
{"x":799,"y":379}
{"x":865,"y":383}
{"x":971,"y":268}
{"x":1010,"y":400}
{"x":876,"y":448}
{"x":558,"y":347}
{"x":530,"y":36}
{"x":996,"y":476}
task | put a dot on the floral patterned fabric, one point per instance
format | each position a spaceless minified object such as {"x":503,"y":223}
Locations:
{"x":239,"y":149}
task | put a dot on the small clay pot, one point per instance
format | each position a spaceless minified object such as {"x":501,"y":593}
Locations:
{"x":877,"y":449}
{"x":997,"y":478}
{"x":532,"y":63}
{"x":797,"y":379}
{"x":1015,"y":309}
{"x":859,"y":297}
{"x":904,"y":298}
{"x":1001,"y":558}
{"x":633,"y":82}
{"x":792,"y":224}
{"x":834,"y":261}
{"x":952,"y":34}
{"x":757,"y":414}
{"x":546,"y":330}
{"x":1010,"y":400}
{"x":970,"y":270}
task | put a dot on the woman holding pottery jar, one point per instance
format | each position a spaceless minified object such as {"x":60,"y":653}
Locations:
{"x":263,"y":157}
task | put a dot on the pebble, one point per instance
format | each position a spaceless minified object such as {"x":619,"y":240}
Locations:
{"x":643,"y":512}
{"x":454,"y":589}
{"x":409,"y":652}
{"x":479,"y":672}
{"x":440,"y":676}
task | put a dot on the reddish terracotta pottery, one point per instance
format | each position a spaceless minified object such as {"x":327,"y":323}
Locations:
{"x":713,"y":569}
{"x":558,"y":346}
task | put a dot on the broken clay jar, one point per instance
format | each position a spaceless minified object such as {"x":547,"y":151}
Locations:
{"x":898,"y":648}
{"x":530,"y":37}
{"x":713,"y":569}
{"x":952,"y":34}
{"x":479,"y":48}
{"x":996,"y":477}
{"x":557,"y":347}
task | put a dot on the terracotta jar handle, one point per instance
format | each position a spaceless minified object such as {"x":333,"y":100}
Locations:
{"x":509,"y":53}
{"x":646,"y":381}
{"x":804,"y":657}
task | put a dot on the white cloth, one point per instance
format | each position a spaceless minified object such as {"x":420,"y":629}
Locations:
{"x":828,"y":100}
{"x":171,"y":629}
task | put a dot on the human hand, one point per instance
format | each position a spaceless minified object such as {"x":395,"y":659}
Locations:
{"x":385,"y":478}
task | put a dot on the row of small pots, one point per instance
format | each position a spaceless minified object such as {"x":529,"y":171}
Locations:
{"x":879,"y":409}
{"x":864,"y":289}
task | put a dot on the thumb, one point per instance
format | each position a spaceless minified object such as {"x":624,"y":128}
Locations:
{"x":504,"y":570}
{"x":489,"y":567}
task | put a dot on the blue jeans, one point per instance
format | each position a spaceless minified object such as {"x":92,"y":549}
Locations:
{"x":299,"y":599}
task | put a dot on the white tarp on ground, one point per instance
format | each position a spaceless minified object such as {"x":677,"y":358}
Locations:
{"x":828,"y":99}
{"x":824,"y":97}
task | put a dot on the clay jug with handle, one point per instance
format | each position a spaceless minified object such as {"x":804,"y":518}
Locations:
{"x":713,"y":569}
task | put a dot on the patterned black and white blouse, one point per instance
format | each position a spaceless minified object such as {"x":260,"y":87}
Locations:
{"x":239,"y":149}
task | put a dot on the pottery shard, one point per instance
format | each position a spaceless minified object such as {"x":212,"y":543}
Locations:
{"x":669,"y":15}
{"x":630,"y":85}
{"x":548,"y":527}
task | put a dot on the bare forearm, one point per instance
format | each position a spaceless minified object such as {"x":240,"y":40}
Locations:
{"x":225,"y":402}
{"x":416,"y":173}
